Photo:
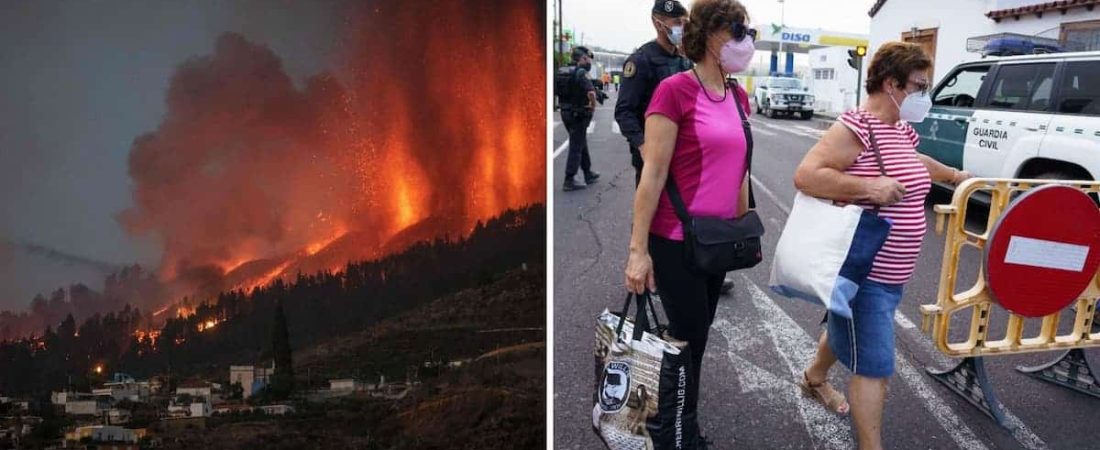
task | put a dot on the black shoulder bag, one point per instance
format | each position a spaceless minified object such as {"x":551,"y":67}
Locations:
{"x":714,"y":245}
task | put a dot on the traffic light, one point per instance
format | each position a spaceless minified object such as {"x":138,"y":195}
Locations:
{"x":855,"y":57}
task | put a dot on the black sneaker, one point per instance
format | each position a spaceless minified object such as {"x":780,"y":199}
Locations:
{"x":727,"y":286}
{"x":571,"y":185}
{"x":591,"y":177}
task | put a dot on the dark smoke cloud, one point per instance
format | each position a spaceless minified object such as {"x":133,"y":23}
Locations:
{"x":238,"y":168}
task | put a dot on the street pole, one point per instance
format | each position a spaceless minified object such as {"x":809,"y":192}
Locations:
{"x":782,"y":25}
{"x":561,"y":36}
{"x":859,"y":82}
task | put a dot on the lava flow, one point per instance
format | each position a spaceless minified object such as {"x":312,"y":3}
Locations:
{"x":251,"y":177}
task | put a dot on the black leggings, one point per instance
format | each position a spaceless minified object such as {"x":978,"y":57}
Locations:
{"x":689,"y":299}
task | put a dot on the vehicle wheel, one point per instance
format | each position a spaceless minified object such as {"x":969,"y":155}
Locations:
{"x":1055,"y":175}
{"x":758,"y":110}
{"x":807,"y":115}
{"x":771,"y":113}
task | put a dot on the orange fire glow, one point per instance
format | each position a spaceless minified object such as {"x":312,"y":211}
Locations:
{"x":207,"y":324}
{"x":317,"y":246}
{"x":435,"y":131}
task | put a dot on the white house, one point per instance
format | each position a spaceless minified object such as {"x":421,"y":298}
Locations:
{"x":277,"y":410}
{"x":118,"y":416}
{"x":832,"y":80}
{"x":943,"y":27}
{"x":91,"y":407}
{"x":251,"y":378}
{"x":200,"y":409}
{"x":196,"y":389}
{"x":346,"y":384}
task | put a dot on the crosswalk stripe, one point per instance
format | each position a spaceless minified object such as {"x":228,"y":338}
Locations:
{"x":615,"y":128}
{"x":591,"y":127}
{"x":796,"y":347}
{"x":1020,"y":431}
{"x":561,"y":148}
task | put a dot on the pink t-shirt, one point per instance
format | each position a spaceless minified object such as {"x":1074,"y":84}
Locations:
{"x":708,"y":162}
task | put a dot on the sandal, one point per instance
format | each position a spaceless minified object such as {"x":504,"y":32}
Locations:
{"x":824,"y":394}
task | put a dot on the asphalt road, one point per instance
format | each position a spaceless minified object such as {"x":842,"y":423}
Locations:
{"x":761,"y":342}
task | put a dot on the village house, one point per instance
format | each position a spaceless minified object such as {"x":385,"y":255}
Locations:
{"x":252,"y":379}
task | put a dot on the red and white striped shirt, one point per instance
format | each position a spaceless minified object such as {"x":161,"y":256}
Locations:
{"x":894,"y":264}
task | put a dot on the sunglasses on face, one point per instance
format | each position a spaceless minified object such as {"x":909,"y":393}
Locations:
{"x":740,"y":31}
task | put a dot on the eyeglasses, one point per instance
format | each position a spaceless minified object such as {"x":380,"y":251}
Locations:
{"x":922,"y":86}
{"x":739,"y":31}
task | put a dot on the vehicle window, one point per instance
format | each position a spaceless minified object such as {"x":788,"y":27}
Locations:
{"x":1081,"y":89}
{"x":961,"y":88}
{"x":1022,"y":87}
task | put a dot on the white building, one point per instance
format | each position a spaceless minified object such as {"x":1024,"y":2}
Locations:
{"x":90,"y":407}
{"x":103,"y":433}
{"x":251,"y":378}
{"x":346,"y":384}
{"x":943,"y":27}
{"x":118,"y":416}
{"x":277,"y":410}
{"x":200,"y":409}
{"x":198,"y":390}
{"x":832,"y":81}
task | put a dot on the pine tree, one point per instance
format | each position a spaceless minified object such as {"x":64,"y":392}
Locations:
{"x":282,"y":381}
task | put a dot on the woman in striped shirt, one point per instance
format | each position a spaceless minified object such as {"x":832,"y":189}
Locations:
{"x":843,"y":167}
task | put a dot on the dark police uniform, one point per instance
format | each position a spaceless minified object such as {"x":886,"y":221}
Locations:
{"x":642,"y":72}
{"x":576,"y":116}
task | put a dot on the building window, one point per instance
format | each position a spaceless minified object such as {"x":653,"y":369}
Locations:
{"x":1081,"y":36}
{"x":823,"y":58}
{"x":824,"y":74}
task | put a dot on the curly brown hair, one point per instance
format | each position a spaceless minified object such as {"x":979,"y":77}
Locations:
{"x":710,"y":16}
{"x":895,"y":60}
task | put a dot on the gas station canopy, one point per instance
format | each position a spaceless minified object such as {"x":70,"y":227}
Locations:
{"x":778,"y":38}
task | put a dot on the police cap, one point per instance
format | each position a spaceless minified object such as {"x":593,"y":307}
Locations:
{"x":669,"y":8}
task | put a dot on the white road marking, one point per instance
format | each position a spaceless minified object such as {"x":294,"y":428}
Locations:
{"x":561,"y":148}
{"x":796,"y":349}
{"x":960,"y":433}
{"x":775,"y":198}
{"x":903,"y":321}
{"x":591,"y":127}
{"x":1023,"y":435}
{"x":792,"y":340}
{"x":556,"y":124}
{"x":764,"y":131}
{"x":615,"y":128}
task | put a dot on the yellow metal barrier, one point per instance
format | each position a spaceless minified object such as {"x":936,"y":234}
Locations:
{"x":978,"y":301}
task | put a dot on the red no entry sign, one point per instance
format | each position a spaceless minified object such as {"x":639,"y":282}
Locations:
{"x":1044,"y":250}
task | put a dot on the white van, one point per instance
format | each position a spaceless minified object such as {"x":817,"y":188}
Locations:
{"x":1034,"y":116}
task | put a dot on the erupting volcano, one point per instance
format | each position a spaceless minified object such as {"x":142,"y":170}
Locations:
{"x":432,"y":121}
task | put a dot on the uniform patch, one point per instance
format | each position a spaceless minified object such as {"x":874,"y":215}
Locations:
{"x":669,"y":6}
{"x":629,"y":69}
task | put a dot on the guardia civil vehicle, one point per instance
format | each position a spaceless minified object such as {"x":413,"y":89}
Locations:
{"x":1032,"y":116}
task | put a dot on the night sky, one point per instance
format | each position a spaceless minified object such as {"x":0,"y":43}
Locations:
{"x":80,"y":80}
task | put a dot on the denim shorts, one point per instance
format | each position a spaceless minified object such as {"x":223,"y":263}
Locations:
{"x":865,"y":343}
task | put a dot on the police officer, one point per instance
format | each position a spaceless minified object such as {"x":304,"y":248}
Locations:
{"x":578,"y":102}
{"x":643,"y":71}
{"x":652,"y":62}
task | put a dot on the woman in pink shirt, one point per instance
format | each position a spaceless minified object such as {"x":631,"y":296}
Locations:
{"x":693,"y":134}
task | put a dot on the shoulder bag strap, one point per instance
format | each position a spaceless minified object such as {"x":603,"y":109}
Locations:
{"x":874,"y":148}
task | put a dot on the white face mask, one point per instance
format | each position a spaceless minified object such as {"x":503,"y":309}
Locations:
{"x":674,"y":33}
{"x":915,"y":107}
